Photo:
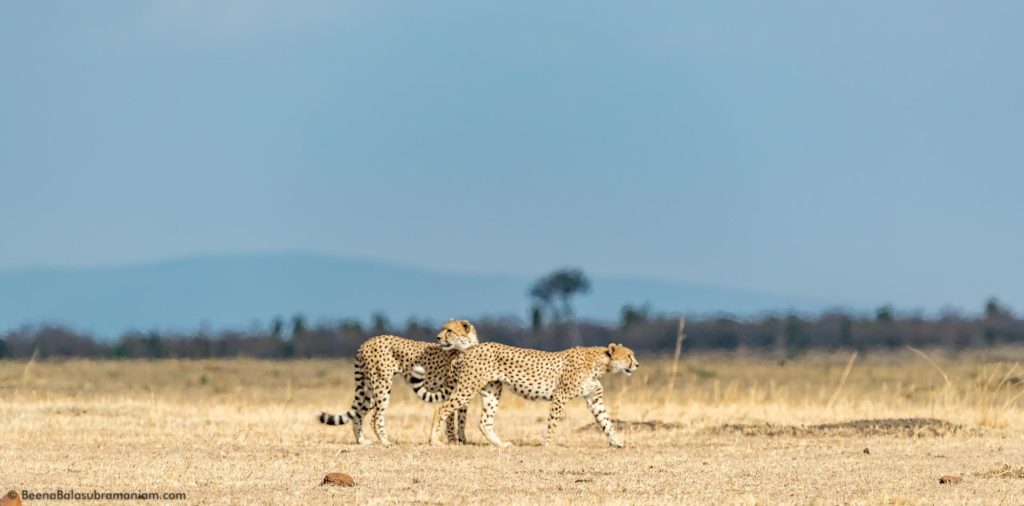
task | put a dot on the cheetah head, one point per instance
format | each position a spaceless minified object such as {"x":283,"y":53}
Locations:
{"x":621,"y":359}
{"x":457,"y":335}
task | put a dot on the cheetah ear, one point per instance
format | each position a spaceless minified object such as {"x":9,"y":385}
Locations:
{"x":466,"y":325}
{"x":611,"y":349}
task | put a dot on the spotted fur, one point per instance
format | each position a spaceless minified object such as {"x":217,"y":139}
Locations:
{"x":533,"y":374}
{"x":380,"y":358}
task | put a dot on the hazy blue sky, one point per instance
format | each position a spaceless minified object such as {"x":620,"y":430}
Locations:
{"x":865,"y":151}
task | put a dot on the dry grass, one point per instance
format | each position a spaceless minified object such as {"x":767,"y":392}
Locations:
{"x":735,"y":430}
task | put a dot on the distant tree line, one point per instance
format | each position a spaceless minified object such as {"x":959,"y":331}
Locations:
{"x":552,"y":325}
{"x":784,"y":334}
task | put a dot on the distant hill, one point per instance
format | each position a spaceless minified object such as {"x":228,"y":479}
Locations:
{"x":237,"y":291}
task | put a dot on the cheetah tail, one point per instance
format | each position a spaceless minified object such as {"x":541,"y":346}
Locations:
{"x":417,"y":378}
{"x":360,"y":403}
{"x":342,"y":419}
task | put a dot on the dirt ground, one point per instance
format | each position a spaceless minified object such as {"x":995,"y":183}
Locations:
{"x":732,"y":430}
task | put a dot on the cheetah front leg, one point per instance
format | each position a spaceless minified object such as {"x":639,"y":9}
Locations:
{"x":441,"y":416}
{"x":456,"y":427}
{"x":595,"y":401}
{"x":490,"y":396}
{"x":557,"y":408}
{"x":462,"y":425}
{"x":456,"y":401}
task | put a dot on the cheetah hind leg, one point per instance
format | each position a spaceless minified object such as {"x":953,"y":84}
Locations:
{"x":381,"y":398}
{"x":557,"y":408}
{"x":357,"y":420}
{"x":362,"y":403}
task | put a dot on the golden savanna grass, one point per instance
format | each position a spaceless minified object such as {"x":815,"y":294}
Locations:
{"x":736,"y":429}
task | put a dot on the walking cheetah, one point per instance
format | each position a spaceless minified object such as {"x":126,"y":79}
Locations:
{"x":555,"y":376}
{"x":380,"y":358}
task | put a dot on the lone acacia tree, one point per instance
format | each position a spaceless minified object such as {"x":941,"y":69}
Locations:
{"x":552,"y":295}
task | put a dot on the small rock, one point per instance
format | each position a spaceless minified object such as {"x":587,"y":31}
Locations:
{"x":340,"y":479}
{"x":950,"y":480}
{"x":867,"y":452}
{"x":11,"y":498}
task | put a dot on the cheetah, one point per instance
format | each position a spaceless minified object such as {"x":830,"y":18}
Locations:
{"x":380,"y":358}
{"x":533,"y":374}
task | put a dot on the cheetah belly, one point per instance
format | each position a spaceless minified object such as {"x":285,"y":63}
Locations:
{"x":532,"y":390}
{"x":534,"y":377}
{"x":530,"y":385}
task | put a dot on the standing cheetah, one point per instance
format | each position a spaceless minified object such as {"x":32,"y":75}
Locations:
{"x":380,"y":358}
{"x":533,"y":374}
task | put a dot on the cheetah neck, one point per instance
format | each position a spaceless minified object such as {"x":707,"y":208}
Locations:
{"x":599,"y":367}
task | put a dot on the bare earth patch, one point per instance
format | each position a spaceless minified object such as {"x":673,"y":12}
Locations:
{"x":1004,"y":471}
{"x":633,"y":426}
{"x":904,"y":427}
